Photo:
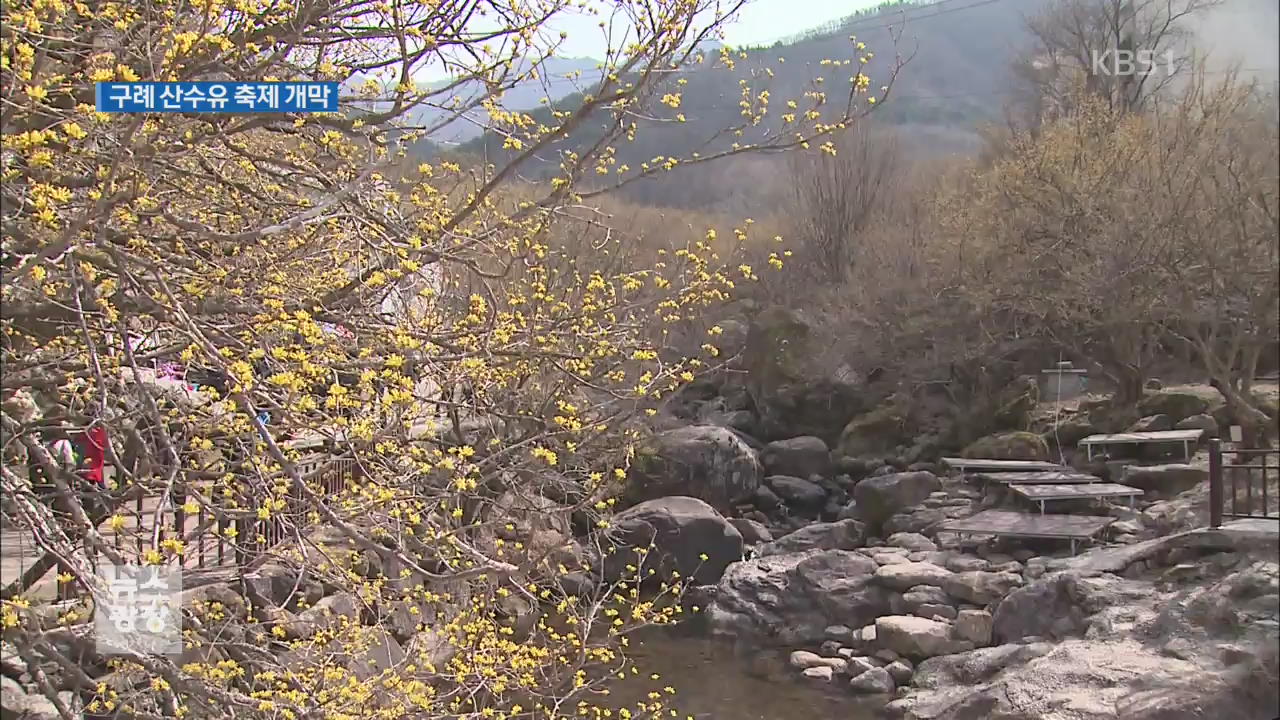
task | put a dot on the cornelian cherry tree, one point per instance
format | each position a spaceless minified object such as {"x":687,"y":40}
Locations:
{"x":432,"y":321}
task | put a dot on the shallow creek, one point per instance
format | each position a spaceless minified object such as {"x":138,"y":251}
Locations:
{"x":715,"y":681}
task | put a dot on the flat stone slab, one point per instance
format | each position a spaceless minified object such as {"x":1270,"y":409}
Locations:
{"x":1016,"y":524}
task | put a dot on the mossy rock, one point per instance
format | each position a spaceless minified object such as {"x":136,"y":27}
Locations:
{"x":798,"y":384}
{"x":1009,"y":446}
{"x":1018,"y":403}
{"x":872,"y":433}
{"x":1107,"y":418}
{"x":1177,"y":405}
{"x":777,"y":348}
{"x":1070,"y":431}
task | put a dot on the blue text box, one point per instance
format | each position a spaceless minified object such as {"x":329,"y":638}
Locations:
{"x":217,"y":97}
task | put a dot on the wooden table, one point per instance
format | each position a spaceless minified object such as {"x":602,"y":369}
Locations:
{"x":1003,"y":523}
{"x":1186,"y":437}
{"x":979,"y":464}
{"x":1045,"y":493}
{"x":1051,"y":477}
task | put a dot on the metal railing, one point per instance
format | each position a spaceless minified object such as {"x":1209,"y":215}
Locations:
{"x":1242,"y":488}
{"x":208,"y":544}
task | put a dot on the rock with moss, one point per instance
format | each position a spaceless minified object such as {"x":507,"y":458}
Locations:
{"x":793,"y":598}
{"x":670,"y":535}
{"x":1177,"y":405}
{"x":703,"y":461}
{"x":1017,"y":403}
{"x":1066,"y":433}
{"x":1009,"y":446}
{"x":876,"y":499}
{"x":799,"y":386}
{"x":874,"y":433}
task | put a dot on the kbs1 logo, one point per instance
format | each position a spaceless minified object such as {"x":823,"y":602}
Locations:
{"x":1126,"y":63}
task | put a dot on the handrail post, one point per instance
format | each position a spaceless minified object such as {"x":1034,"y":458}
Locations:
{"x":1215,"y":483}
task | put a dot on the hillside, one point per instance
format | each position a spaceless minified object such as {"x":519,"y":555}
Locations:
{"x":556,"y":81}
{"x":956,"y":71}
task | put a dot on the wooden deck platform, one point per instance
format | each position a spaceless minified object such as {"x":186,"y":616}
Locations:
{"x":1046,"y":493}
{"x":1003,"y":523}
{"x":1185,"y":437}
{"x":1039,"y":478}
{"x":979,"y":464}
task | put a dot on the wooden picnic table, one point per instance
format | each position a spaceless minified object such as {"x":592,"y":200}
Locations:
{"x":1048,"y":477}
{"x":1003,"y":523}
{"x":1045,"y":493}
{"x":1186,"y":437}
{"x":981,"y":464}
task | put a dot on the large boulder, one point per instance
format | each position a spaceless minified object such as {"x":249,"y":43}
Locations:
{"x":793,"y":598}
{"x":874,"y":433}
{"x":1017,"y":402}
{"x":904,"y":576}
{"x":17,"y":703}
{"x":947,"y":671}
{"x":914,"y":542}
{"x":917,"y":637}
{"x":798,"y":457}
{"x":1008,"y":446}
{"x":797,"y":492}
{"x":980,"y":587}
{"x":844,"y":534}
{"x":974,"y":626}
{"x":682,"y":534}
{"x":1204,"y":422}
{"x":1151,"y":423}
{"x":1067,"y":432}
{"x":1166,"y":480}
{"x":799,"y":385}
{"x":1058,"y":606}
{"x":1108,"y":417}
{"x":1177,"y":405}
{"x":875,"y":681}
{"x":876,"y":499}
{"x":703,"y":461}
{"x":923,"y":520}
{"x":753,"y":533}
{"x":542,"y":527}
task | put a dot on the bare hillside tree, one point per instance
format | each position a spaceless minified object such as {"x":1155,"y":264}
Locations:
{"x":1218,"y":157}
{"x":833,"y":197}
{"x":1089,"y":45}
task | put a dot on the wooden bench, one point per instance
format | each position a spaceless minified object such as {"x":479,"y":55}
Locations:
{"x":1089,"y":491}
{"x":1003,"y":523}
{"x":995,"y":484}
{"x":1051,"y":477}
{"x":1186,"y":437}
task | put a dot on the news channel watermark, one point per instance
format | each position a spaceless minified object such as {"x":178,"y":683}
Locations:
{"x":1119,"y":62}
{"x":216,"y":97}
{"x":139,"y":611}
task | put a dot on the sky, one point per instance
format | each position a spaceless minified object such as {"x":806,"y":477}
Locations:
{"x":758,"y":22}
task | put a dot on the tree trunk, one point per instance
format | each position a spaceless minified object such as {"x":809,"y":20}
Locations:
{"x":1130,"y":382}
{"x":1254,"y":424}
{"x":1249,"y":370}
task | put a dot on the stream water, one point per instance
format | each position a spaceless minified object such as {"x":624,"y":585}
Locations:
{"x":715,"y":681}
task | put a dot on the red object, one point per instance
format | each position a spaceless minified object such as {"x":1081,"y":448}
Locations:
{"x":94,"y":446}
